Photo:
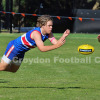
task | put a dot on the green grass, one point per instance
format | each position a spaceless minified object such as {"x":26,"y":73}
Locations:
{"x":72,"y":77}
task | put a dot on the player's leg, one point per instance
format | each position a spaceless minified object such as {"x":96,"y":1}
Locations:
{"x":10,"y":67}
{"x":4,"y":66}
{"x":12,"y":59}
{"x":6,"y":61}
{"x":15,"y":64}
{"x":14,"y":67}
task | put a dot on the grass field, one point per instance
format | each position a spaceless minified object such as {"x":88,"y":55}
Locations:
{"x":61,"y":74}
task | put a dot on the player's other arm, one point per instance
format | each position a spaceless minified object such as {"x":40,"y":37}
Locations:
{"x":98,"y":37}
{"x":37,"y":38}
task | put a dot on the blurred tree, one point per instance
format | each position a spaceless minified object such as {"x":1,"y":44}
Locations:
{"x":1,"y":7}
{"x":52,"y":7}
{"x":0,"y":14}
{"x":96,"y":5}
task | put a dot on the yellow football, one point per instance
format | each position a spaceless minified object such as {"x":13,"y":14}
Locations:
{"x":85,"y":49}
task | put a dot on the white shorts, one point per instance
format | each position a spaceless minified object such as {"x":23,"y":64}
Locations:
{"x":15,"y":60}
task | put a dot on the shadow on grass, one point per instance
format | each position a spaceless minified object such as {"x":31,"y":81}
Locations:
{"x":15,"y":87}
{"x":3,"y":81}
{"x":45,"y":87}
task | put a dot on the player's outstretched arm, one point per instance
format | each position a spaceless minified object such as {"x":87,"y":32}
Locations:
{"x":37,"y":38}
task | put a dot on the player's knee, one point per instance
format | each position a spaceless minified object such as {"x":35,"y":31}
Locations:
{"x":14,"y":71}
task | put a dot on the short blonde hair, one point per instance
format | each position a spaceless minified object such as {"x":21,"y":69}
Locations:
{"x":42,"y":20}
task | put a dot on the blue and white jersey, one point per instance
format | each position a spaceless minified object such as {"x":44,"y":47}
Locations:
{"x":18,"y":47}
{"x":25,"y":42}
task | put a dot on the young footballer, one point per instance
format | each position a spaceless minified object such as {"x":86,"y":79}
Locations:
{"x":34,"y":38}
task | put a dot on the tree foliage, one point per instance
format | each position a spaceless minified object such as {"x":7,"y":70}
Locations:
{"x":52,"y":7}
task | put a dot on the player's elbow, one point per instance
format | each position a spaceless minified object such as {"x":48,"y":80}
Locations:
{"x":42,"y":49}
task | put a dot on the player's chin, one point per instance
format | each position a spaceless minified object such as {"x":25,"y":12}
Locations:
{"x":49,"y":32}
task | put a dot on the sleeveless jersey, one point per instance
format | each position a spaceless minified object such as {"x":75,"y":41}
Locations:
{"x":25,"y":42}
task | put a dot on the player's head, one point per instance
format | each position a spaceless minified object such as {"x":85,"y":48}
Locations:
{"x":42,"y":20}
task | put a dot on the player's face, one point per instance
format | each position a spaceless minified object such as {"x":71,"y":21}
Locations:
{"x":48,"y":27}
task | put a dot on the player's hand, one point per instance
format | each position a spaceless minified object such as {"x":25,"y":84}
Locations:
{"x":98,"y":37}
{"x":66,"y":33}
{"x":60,"y":42}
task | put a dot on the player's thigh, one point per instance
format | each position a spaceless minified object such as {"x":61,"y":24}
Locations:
{"x":14,"y":67}
{"x":4,"y":65}
{"x":16,"y":63}
{"x":8,"y":65}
